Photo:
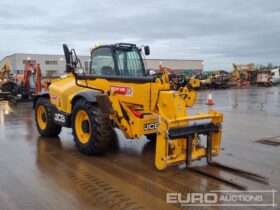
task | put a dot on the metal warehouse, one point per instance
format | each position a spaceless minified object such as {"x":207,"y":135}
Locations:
{"x":54,"y":65}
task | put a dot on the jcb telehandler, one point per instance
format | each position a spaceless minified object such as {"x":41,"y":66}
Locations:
{"x":117,"y":91}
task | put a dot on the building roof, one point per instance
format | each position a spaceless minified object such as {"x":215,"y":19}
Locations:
{"x":169,"y":59}
{"x":39,"y":54}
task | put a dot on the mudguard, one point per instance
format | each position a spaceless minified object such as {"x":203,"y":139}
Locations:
{"x":89,"y":96}
{"x":39,"y":95}
{"x":95,"y":97}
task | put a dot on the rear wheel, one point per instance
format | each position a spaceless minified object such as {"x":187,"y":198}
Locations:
{"x":92,"y":129}
{"x":43,"y":118}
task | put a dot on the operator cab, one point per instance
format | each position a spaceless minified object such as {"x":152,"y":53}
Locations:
{"x":119,"y":59}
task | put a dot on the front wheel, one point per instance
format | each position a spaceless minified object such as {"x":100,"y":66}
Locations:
{"x":92,"y":128}
{"x":43,"y":118}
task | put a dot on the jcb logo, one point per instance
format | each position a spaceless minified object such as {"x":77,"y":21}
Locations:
{"x":59,"y":117}
{"x":151,"y":126}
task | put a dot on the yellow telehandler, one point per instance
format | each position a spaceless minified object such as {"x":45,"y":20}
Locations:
{"x":117,"y":91}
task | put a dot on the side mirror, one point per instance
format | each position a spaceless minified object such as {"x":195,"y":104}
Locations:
{"x":147,"y":50}
{"x":67,"y":55}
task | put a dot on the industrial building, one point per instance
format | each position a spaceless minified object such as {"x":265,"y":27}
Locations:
{"x":178,"y":66}
{"x":54,"y":65}
{"x":51,"y":65}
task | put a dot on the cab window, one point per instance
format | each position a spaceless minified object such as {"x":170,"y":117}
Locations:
{"x":129,"y":62}
{"x":102,"y":62}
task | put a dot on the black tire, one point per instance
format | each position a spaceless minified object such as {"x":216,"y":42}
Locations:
{"x":100,"y":132}
{"x":51,"y":129}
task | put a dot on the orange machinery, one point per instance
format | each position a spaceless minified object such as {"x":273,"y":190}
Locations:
{"x":30,"y":82}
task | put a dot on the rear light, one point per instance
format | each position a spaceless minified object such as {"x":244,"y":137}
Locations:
{"x":137,"y":114}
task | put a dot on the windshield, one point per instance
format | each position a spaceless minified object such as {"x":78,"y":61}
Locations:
{"x":125,"y":61}
{"x":129,"y":62}
{"x":32,"y":81}
{"x":102,"y":62}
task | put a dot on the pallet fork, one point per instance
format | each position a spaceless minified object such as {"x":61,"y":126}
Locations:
{"x":241,"y":172}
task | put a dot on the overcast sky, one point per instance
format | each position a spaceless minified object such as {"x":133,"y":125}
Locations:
{"x":219,"y":32}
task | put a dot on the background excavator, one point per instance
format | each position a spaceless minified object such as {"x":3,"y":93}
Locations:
{"x":4,"y":74}
{"x":244,"y":74}
{"x":22,"y":87}
{"x":31,"y":83}
{"x":118,"y":93}
{"x":7,"y":86}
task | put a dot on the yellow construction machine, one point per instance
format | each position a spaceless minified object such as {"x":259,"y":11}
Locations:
{"x":244,"y":73}
{"x":194,"y":83}
{"x":4,"y":73}
{"x":238,"y":74}
{"x":178,"y":81}
{"x":7,"y":87}
{"x":118,"y":92}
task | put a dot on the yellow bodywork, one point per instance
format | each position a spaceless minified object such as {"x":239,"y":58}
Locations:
{"x":4,"y":72}
{"x":158,"y":105}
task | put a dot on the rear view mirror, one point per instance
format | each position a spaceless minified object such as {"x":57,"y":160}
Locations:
{"x":147,"y":50}
{"x":67,"y":55}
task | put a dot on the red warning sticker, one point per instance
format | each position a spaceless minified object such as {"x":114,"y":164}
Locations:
{"x":124,"y":91}
{"x":54,"y":97}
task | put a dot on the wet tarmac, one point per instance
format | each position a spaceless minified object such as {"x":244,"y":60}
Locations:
{"x":50,"y":173}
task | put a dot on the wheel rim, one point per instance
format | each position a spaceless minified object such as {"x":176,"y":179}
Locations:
{"x":42,"y":117}
{"x":82,"y":126}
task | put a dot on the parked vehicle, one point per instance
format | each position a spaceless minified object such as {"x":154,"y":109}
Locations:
{"x":220,"y":81}
{"x":177,"y":82}
{"x":244,"y":74}
{"x":205,"y":81}
{"x":275,"y":76}
{"x":264,"y":78}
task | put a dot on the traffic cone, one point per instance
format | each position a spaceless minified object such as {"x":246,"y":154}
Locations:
{"x":209,"y":99}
